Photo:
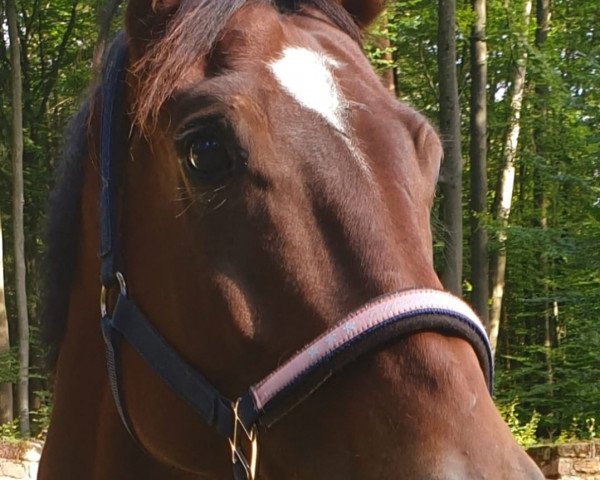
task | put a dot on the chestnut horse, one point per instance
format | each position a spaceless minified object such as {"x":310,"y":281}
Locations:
{"x":269,"y":186}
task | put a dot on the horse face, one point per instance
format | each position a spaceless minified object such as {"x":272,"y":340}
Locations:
{"x":279,"y":187}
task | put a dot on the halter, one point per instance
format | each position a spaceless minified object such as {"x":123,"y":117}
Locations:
{"x":380,"y":321}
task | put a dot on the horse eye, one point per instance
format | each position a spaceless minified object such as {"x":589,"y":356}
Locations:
{"x":208,"y":156}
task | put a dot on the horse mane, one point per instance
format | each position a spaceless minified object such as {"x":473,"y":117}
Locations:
{"x":192,"y":32}
{"x":63,"y":232}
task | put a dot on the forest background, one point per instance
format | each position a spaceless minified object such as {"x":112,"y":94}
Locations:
{"x":517,"y":102}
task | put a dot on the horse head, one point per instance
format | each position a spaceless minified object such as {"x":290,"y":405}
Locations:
{"x":270,"y":185}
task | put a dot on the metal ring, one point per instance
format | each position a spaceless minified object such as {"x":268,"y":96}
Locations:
{"x":104,"y":293}
{"x":103,"y":310}
{"x":122,"y":284}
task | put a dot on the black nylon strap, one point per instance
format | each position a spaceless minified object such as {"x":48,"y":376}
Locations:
{"x":111,"y":119}
{"x":113,"y":362}
{"x":238,"y":472}
{"x":128,"y":321}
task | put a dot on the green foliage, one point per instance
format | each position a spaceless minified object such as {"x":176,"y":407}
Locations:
{"x":553,"y":279}
{"x":524,"y":433}
{"x":580,"y":428}
{"x":57,"y":41}
{"x":9,"y":367}
{"x":40,"y":418}
{"x":9,"y":432}
{"x":379,"y":51}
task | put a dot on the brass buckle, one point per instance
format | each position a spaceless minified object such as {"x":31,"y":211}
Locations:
{"x":239,"y":454}
{"x":104,"y":293}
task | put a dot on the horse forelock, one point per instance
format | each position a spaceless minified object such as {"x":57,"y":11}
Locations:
{"x":191,"y":34}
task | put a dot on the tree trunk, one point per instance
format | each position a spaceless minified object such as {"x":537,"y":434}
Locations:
{"x":107,"y":12}
{"x":540,"y":198}
{"x":478,"y":153}
{"x":18,"y":202}
{"x":506,"y":184}
{"x":451,"y":172}
{"x":383,"y":42}
{"x":6,"y":395}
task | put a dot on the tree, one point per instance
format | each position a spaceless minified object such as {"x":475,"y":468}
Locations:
{"x":380,"y":51}
{"x":6,"y":395}
{"x":388,"y":73}
{"x":540,"y":196}
{"x":478,"y":165}
{"x":18,"y":229}
{"x":107,"y":12}
{"x":451,"y":173}
{"x":504,"y":191}
{"x":548,"y":353}
{"x":57,"y":41}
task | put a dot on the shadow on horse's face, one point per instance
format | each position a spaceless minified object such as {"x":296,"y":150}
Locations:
{"x":281,"y":187}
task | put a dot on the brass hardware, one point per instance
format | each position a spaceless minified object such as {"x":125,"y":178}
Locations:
{"x":104,"y":293}
{"x":238,"y":455}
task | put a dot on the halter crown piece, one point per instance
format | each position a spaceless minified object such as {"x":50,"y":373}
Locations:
{"x":383,"y":319}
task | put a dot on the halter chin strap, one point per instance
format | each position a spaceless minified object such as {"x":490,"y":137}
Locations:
{"x":384,"y":319}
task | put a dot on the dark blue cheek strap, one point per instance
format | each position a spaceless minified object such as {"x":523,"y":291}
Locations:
{"x":112,"y":135}
{"x":129,"y":323}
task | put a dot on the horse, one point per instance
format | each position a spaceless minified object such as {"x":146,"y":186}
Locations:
{"x":259,"y":189}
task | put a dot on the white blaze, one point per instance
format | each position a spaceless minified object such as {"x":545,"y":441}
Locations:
{"x":307,"y":77}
